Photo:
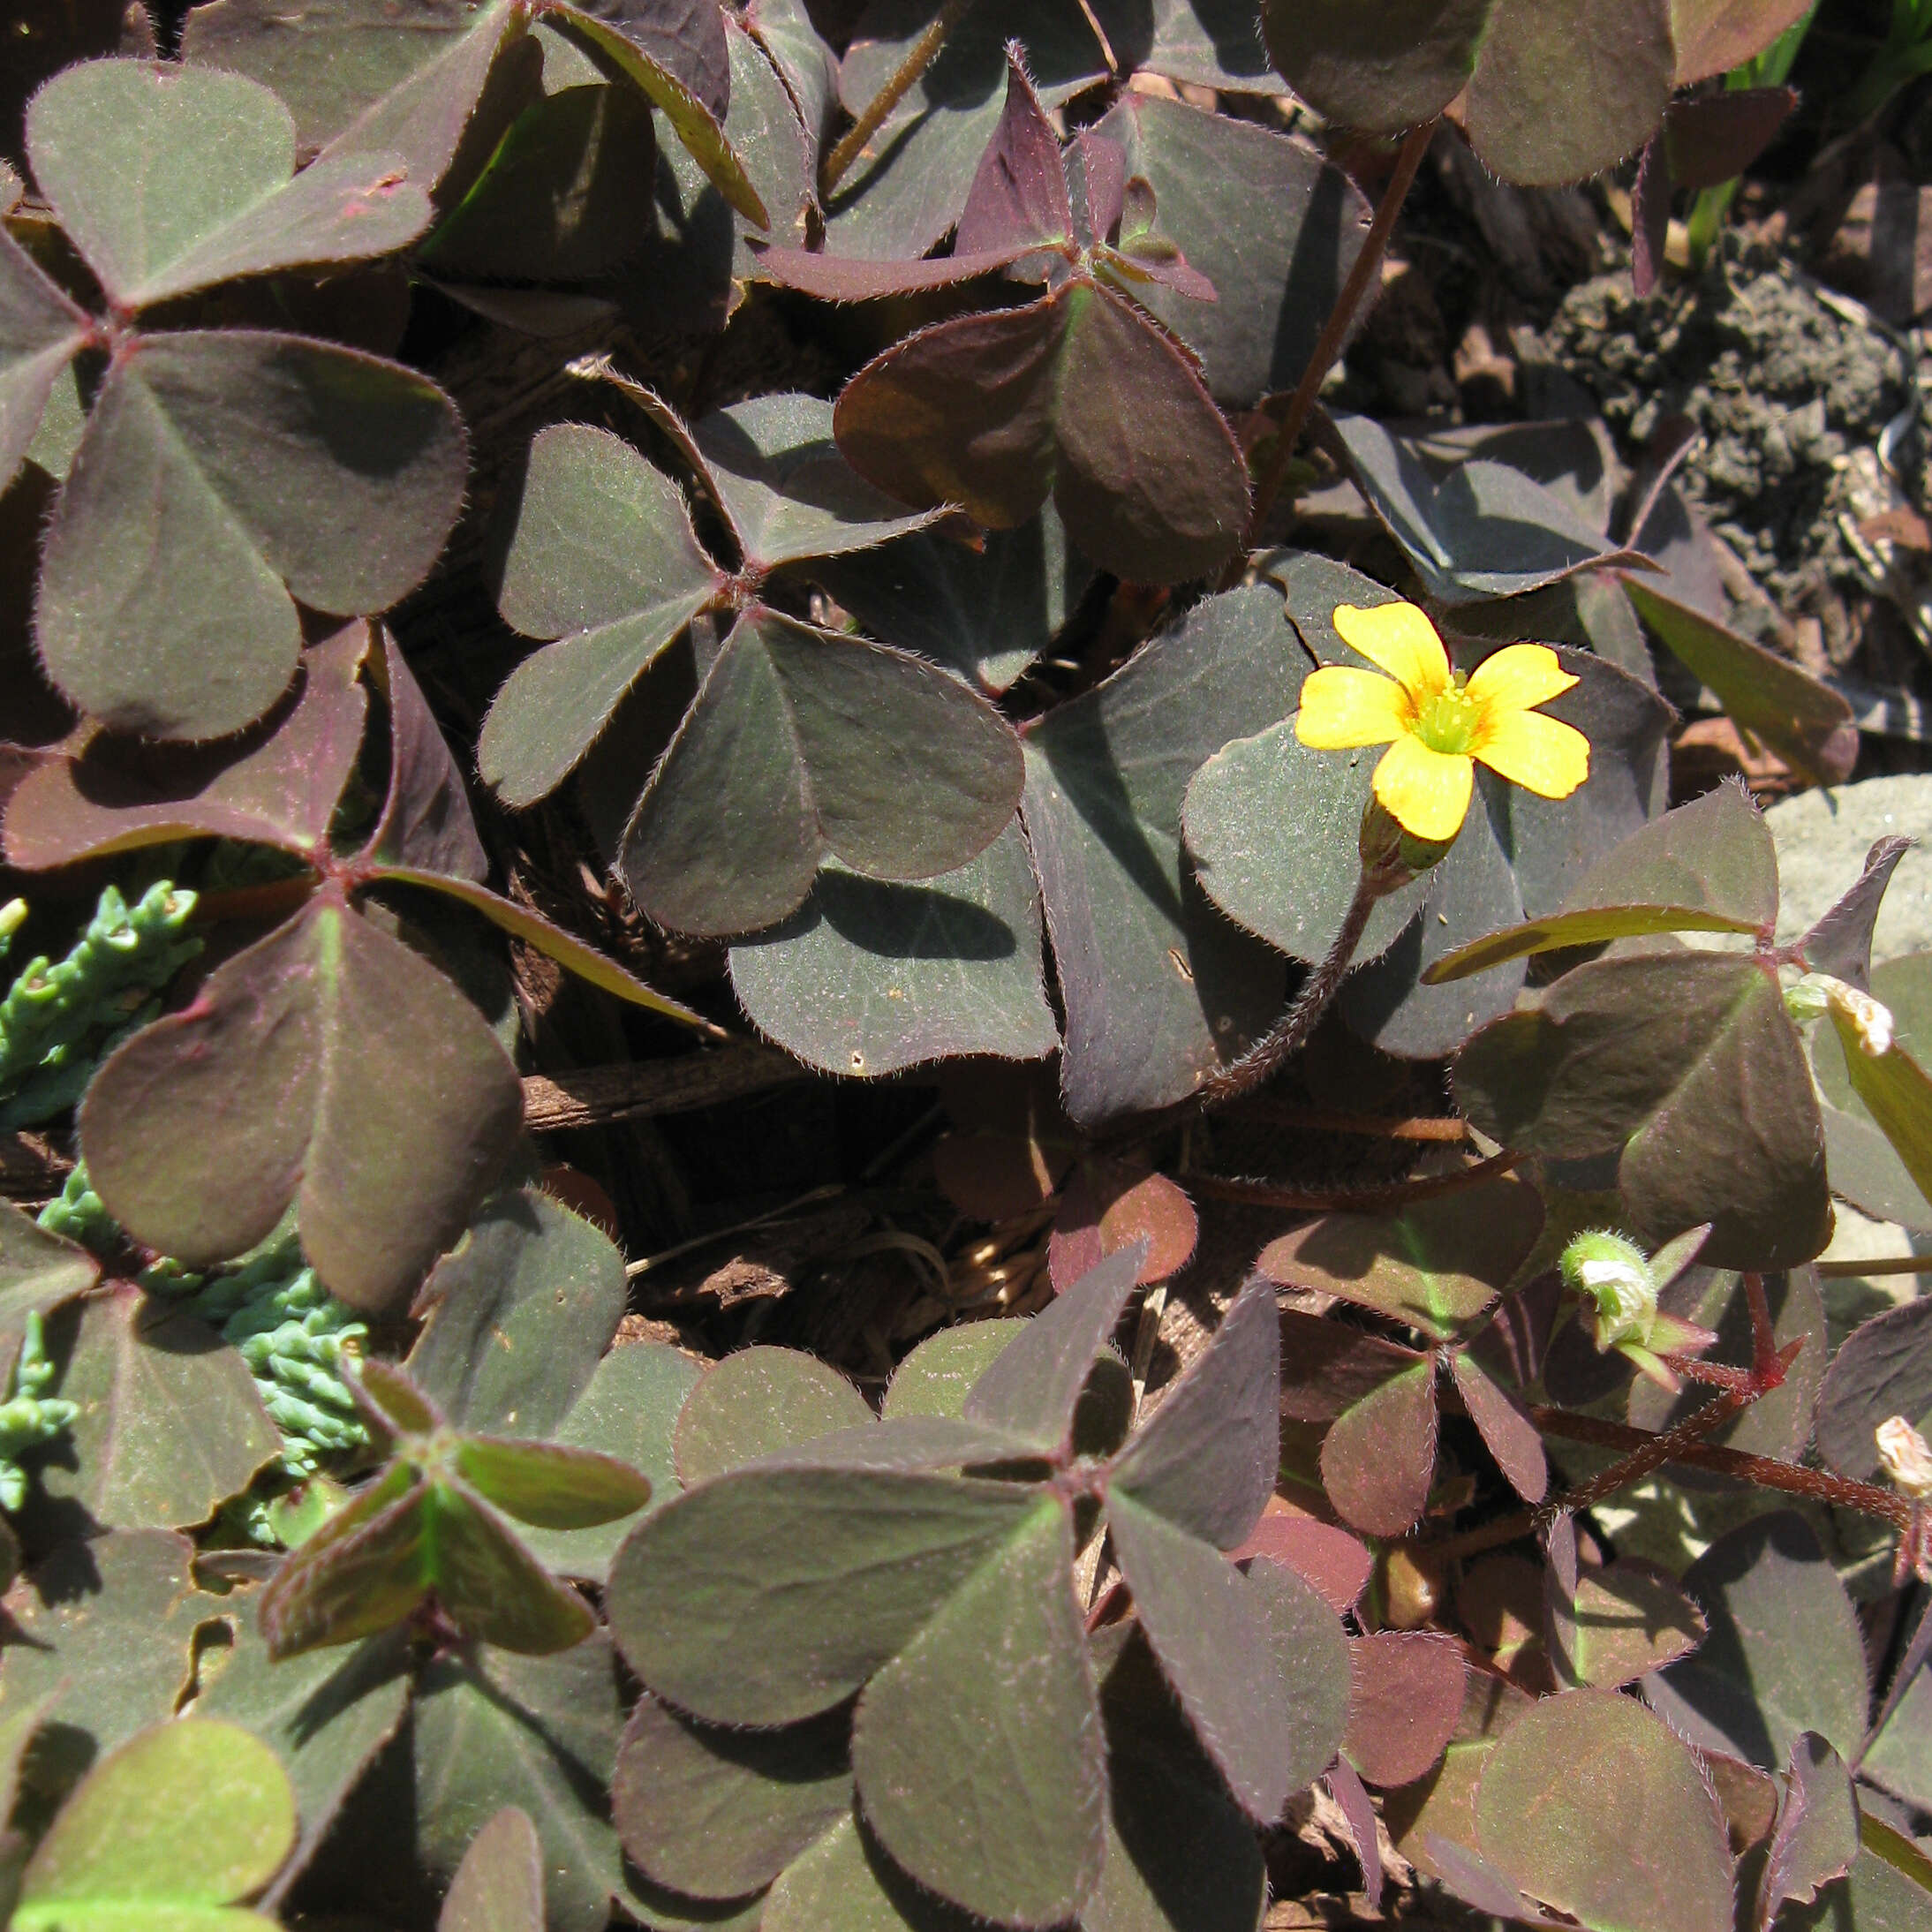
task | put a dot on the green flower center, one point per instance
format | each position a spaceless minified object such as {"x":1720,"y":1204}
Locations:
{"x":1449,"y":720}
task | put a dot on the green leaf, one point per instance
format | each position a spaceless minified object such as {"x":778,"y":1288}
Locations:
{"x":1816,"y":1838}
{"x":767,"y":1596}
{"x":327,"y":1064}
{"x":41,"y":332}
{"x":1437,"y":1265}
{"x":1783,"y":1654}
{"x":1688,"y":1063}
{"x":357,"y":77}
{"x":1628,"y":1618}
{"x":1180,"y":1856}
{"x":758,"y":1401}
{"x":694,"y":122}
{"x":997,"y":1689}
{"x":520,"y":1314}
{"x":1207,"y":1461}
{"x":629,"y":1411}
{"x":1158,"y":992}
{"x":1274,"y":229}
{"x":846,"y":1880}
{"x":277,"y":784}
{"x":1883,"y":1369}
{"x":939,"y":1374}
{"x":541,"y":1733}
{"x":1713,"y":36}
{"x":1893,"y":1088}
{"x":558,"y":200}
{"x":719,"y":1813}
{"x":1636,"y":1846}
{"x":1078,"y":393}
{"x":110,"y":1625}
{"x":1032,"y":1387}
{"x":499,"y":1885}
{"x":1378,"y":1457}
{"x":1707,"y":867}
{"x":1209,"y":1626}
{"x":189,"y":1814}
{"x":910,"y":185}
{"x":550,"y":1486}
{"x":986,"y":613}
{"x":813,"y":744}
{"x":488,"y":1582}
{"x":871,"y":976}
{"x":325,"y":1716}
{"x":171,"y":1424}
{"x":359,"y":1574}
{"x":222,"y":474}
{"x":786,"y":490}
{"x":1483,"y":529}
{"x":38,"y":1271}
{"x":1808,"y":726}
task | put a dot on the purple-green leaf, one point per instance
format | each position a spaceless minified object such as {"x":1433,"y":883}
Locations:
{"x":1437,"y":1265}
{"x":499,"y":1885}
{"x":1884,"y":1368}
{"x":806,"y":744}
{"x":488,"y":1582}
{"x":550,"y":1486}
{"x":1207,"y":1461}
{"x":277,"y":784}
{"x":329,"y":1065}
{"x":1627,"y":1619}
{"x":719,"y":1813}
{"x":1378,"y":1457}
{"x":1816,"y":1837}
{"x":1405,"y":1699}
{"x":1504,"y":1424}
{"x":38,"y":1271}
{"x":1592,"y":1804}
{"x":758,"y":1401}
{"x":41,"y":332}
{"x":1713,"y":138}
{"x":997,"y":1688}
{"x":221,"y":475}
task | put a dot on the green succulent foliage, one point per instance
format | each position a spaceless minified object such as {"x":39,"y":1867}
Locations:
{"x":946,"y":1600}
{"x":427,"y":1528}
{"x":30,"y":1415}
{"x":60,"y":1017}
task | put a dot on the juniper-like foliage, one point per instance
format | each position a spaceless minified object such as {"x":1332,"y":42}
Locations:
{"x":30,"y":1415}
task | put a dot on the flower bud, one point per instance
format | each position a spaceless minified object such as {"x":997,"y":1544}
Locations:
{"x":1904,"y":1455}
{"x":1615,"y":1277}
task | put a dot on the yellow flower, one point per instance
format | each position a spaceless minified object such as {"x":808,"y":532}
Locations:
{"x":1437,"y":722}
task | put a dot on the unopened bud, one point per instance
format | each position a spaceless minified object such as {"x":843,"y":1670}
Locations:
{"x":1614,"y":1275}
{"x":1870,"y":1020}
{"x":1905,"y":1457}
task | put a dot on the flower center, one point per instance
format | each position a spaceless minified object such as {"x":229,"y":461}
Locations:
{"x":1448,"y":721}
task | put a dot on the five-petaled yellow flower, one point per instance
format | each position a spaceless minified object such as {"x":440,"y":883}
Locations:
{"x":1437,"y":722}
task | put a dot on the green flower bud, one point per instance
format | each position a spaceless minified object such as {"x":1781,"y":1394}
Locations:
{"x":1615,"y":1277}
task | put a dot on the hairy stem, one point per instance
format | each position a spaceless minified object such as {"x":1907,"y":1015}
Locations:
{"x":923,"y":52}
{"x":1335,"y":333}
{"x":1264,"y":1059}
{"x":1355,"y":1200}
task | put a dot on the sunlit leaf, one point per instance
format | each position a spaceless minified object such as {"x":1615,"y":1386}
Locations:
{"x":756,"y":1401}
{"x":1378,"y":1457}
{"x":1333,"y":1564}
{"x":171,"y":1424}
{"x":769,"y":1596}
{"x":41,"y":332}
{"x":499,"y":1885}
{"x":38,"y":1271}
{"x":1687,"y":1064}
{"x":519,"y":1316}
{"x":805,"y":743}
{"x":997,"y":1688}
{"x":1108,"y":1206}
{"x":845,"y":1880}
{"x":1866,"y":1166}
{"x":1437,"y":1265}
{"x":1806,"y":724}
{"x":1816,"y":1838}
{"x":223,"y":474}
{"x":326,"y":1064}
{"x":1713,"y":36}
{"x":873,"y":976}
{"x":1504,"y":1424}
{"x":1708,"y":866}
{"x":490,"y":1730}
{"x":1206,"y":1461}
{"x":1158,"y":992}
{"x":277,"y":784}
{"x":939,"y":1374}
{"x":717,"y":1813}
{"x":1784,"y":1654}
{"x":489,"y":1583}
{"x":1273,"y":228}
{"x":1592,"y":1804}
{"x":1089,"y":400}
{"x":1627,"y":1619}
{"x":549,"y":1485}
{"x":1405,"y":1698}
{"x":187,"y":1816}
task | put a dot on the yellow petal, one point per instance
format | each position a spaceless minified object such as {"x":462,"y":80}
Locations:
{"x":1400,"y":639}
{"x":1518,"y":676}
{"x":1341,"y":707}
{"x":1427,"y":792}
{"x":1543,"y":755}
